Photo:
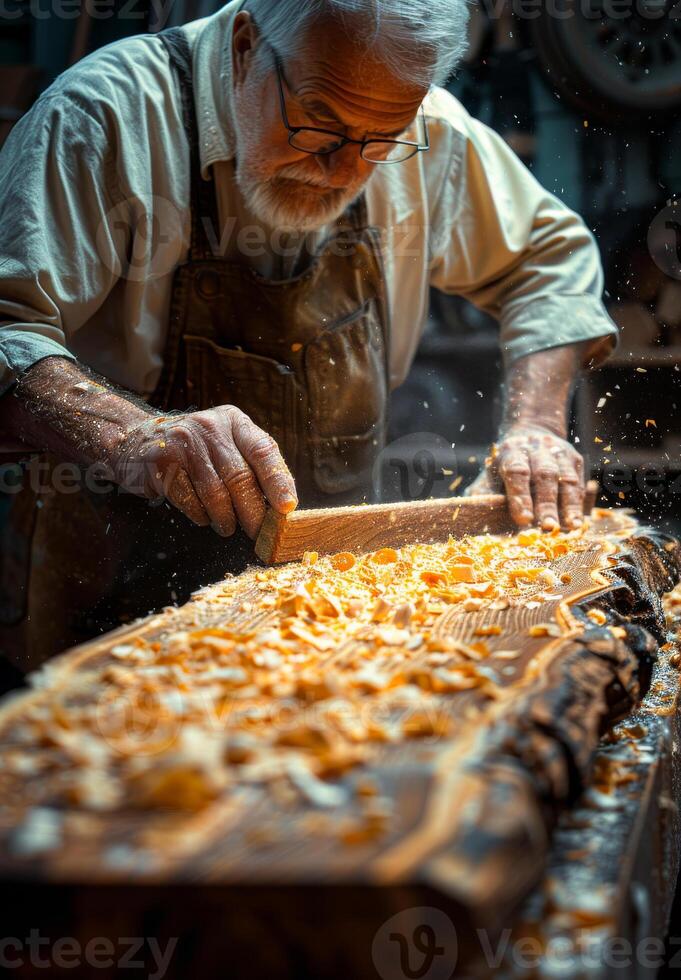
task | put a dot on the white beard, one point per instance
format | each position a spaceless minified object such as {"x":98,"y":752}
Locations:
{"x":281,"y":202}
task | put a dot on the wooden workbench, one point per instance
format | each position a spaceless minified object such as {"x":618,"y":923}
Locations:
{"x":546,"y":806}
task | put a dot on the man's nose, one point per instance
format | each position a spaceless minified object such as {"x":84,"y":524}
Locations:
{"x":342,"y":166}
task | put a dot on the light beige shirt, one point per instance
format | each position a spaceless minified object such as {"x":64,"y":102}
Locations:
{"x":94,"y":218}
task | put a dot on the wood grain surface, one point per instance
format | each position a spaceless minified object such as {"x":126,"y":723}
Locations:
{"x":471,"y":809}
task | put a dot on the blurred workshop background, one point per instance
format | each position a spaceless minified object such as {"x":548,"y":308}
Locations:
{"x":592,"y":104}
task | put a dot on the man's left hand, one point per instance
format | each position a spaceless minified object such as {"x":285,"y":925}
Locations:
{"x":541,"y":474}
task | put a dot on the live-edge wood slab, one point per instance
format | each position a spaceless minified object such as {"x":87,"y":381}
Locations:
{"x":475,"y":813}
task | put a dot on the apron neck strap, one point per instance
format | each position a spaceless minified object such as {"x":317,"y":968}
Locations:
{"x":202,"y":195}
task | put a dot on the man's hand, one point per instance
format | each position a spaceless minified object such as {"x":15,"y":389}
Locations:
{"x":216,"y":466}
{"x":542,"y":475}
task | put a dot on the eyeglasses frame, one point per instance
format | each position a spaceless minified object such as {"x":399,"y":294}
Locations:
{"x":343,"y":140}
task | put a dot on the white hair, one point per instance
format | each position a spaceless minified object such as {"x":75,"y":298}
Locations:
{"x":419,"y":41}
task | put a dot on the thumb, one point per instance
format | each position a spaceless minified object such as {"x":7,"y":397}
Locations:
{"x":483,"y":484}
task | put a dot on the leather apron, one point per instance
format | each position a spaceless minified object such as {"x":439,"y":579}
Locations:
{"x":307,"y":358}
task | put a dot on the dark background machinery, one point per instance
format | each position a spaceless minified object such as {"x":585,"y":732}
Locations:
{"x":589,"y":96}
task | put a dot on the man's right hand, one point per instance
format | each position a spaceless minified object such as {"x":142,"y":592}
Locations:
{"x":218,"y":467}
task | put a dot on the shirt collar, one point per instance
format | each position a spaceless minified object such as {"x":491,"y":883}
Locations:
{"x":212,"y":73}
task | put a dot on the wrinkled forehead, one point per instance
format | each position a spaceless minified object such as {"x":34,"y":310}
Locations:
{"x":335,"y":60}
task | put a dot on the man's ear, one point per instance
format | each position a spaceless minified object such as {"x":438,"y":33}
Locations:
{"x":245,"y":40}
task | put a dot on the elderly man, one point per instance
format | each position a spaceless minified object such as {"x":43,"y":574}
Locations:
{"x":216,"y":248}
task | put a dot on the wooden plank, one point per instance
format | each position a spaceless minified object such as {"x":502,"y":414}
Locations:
{"x":368,"y":527}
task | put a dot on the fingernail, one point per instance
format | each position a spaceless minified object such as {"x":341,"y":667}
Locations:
{"x":219,"y":530}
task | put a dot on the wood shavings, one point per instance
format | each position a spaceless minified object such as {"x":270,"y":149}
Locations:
{"x":385,"y":556}
{"x":40,"y":831}
{"x":403,"y":615}
{"x":544,"y":629}
{"x":322,"y":664}
{"x":462,"y":573}
{"x":343,"y":562}
{"x":381,"y":611}
{"x":173,"y":786}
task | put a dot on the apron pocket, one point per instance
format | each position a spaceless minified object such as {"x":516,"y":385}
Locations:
{"x":262,"y":388}
{"x":344,"y":463}
{"x":347,"y":390}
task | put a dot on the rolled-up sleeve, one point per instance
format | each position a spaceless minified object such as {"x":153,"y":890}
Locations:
{"x":57,"y":254}
{"x":514,"y":250}
{"x":21,"y":347}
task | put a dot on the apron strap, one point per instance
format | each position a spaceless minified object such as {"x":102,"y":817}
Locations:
{"x":357,"y":215}
{"x":203,"y":201}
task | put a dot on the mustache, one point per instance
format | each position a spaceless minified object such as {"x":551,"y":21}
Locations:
{"x":301,"y":175}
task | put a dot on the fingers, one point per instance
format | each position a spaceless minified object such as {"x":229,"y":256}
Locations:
{"x":224,"y":483}
{"x":214,"y":466}
{"x":571,"y":492}
{"x":206,"y":482}
{"x":514,"y":470}
{"x":242,"y":488}
{"x":214,"y":497}
{"x":181,"y":494}
{"x":184,"y":475}
{"x":544,"y":480}
{"x":543,"y":476}
{"x":262,"y":453}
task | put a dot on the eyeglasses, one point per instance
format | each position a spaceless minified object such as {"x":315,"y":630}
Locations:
{"x":321,"y":142}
